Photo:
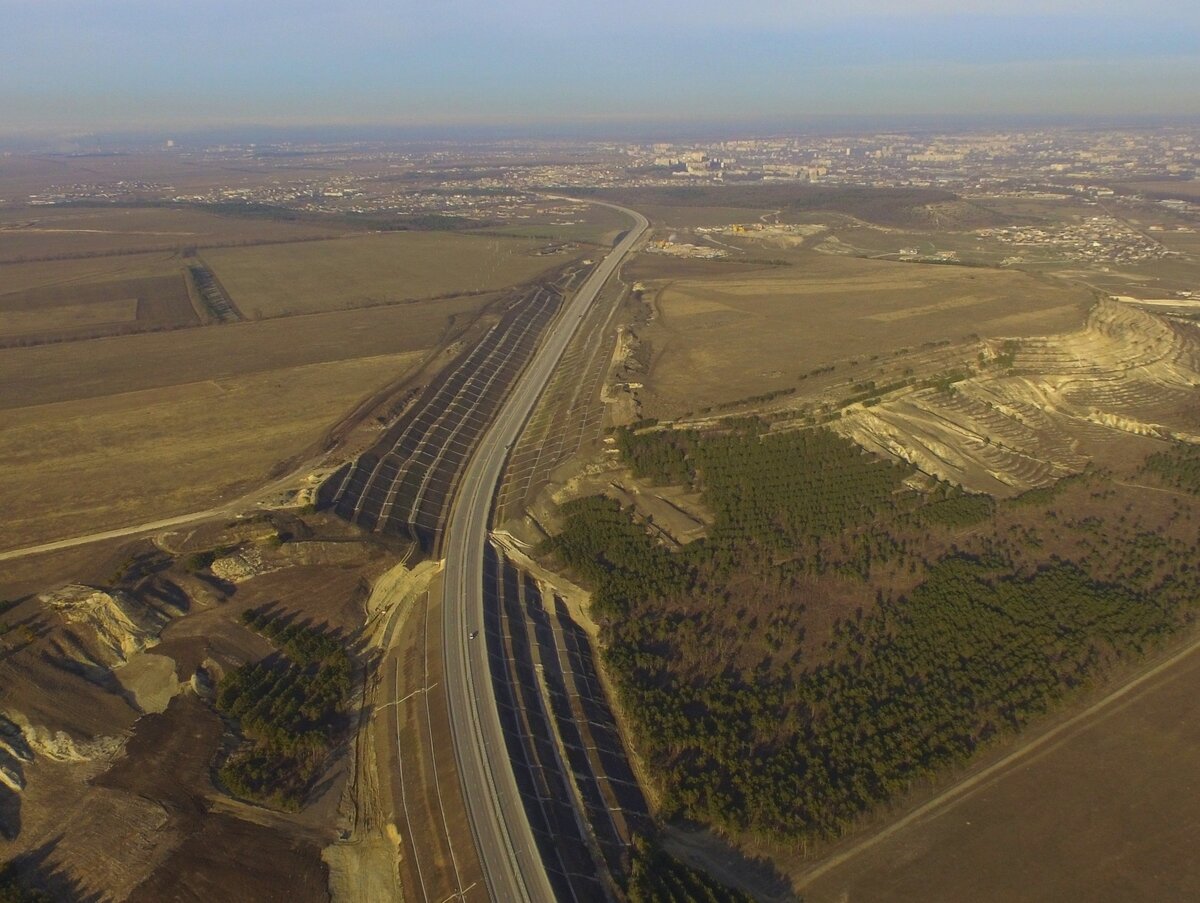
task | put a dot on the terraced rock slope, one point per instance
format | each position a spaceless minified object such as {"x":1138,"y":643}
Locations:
{"x":1007,"y":430}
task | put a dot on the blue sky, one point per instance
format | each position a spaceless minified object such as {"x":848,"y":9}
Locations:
{"x":109,"y":64}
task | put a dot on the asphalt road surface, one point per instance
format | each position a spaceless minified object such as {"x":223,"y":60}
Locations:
{"x":507,"y":849}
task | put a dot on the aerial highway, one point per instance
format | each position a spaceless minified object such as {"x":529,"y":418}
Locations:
{"x":403,"y":483}
{"x":511,"y":861}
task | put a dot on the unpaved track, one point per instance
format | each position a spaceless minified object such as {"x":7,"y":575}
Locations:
{"x":228,"y":509}
{"x":133,"y":530}
{"x":333,"y":437}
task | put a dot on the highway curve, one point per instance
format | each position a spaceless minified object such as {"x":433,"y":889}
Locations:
{"x":503,"y":836}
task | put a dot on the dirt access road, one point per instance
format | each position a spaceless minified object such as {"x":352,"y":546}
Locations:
{"x":229,"y":509}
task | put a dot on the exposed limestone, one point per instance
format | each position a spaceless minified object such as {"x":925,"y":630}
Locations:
{"x":1126,"y":370}
{"x":14,"y":752}
{"x":202,"y":682}
{"x":241,"y":566}
{"x":10,"y":776}
{"x":12,"y":741}
{"x":120,"y":625}
{"x":61,"y":747}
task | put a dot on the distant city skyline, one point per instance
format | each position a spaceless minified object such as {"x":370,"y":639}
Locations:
{"x":141,"y":65}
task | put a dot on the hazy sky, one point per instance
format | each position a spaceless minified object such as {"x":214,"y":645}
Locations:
{"x":109,"y":64}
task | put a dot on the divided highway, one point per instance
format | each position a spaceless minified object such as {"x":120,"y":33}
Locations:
{"x":507,"y":848}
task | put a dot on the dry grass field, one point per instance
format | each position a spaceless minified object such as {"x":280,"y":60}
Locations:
{"x":581,"y":231}
{"x":1032,"y":210}
{"x":724,"y":332}
{"x":16,"y":278}
{"x":69,"y":299}
{"x":62,"y":312}
{"x":279,"y":280}
{"x":125,"y":428}
{"x":22,"y":176}
{"x":566,"y":222}
{"x":1119,"y":824}
{"x":1186,"y":241}
{"x":77,"y":370}
{"x":60,"y":317}
{"x":114,"y":431}
{"x":870,"y":241}
{"x":896,"y":206}
{"x":690,"y":217}
{"x":48,"y":232}
{"x":100,"y":462}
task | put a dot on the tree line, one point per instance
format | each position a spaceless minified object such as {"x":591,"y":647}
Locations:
{"x":291,"y":709}
{"x":749,"y":724}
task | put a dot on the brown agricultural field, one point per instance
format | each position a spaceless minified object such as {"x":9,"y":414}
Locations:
{"x":97,"y":463}
{"x":723,"y":331}
{"x":16,"y":278}
{"x":117,"y":431}
{"x":64,"y":312}
{"x":46,"y":233}
{"x":77,"y":370}
{"x":279,"y":280}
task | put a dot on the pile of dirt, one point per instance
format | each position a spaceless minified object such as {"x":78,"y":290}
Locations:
{"x":242,"y":565}
{"x":150,"y":680}
{"x":199,"y":590}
